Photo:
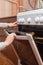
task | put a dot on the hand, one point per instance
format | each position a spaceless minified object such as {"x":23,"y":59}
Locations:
{"x":10,"y":38}
{"x":12,"y":24}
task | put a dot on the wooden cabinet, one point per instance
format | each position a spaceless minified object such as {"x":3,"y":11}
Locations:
{"x":19,"y":52}
{"x":9,"y":52}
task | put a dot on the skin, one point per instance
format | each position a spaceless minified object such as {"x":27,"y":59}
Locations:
{"x":11,"y":36}
{"x":10,"y":39}
{"x":12,"y":24}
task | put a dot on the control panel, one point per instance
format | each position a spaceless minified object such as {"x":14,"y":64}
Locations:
{"x":33,"y":17}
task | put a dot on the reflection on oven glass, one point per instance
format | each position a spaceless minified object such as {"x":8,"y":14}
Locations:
{"x":39,"y":43}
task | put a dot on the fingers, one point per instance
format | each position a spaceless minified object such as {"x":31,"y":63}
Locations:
{"x":13,"y":34}
{"x":15,"y":22}
{"x":12,"y":24}
{"x":10,"y":38}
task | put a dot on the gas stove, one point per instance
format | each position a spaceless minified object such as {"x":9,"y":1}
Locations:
{"x":33,"y":17}
{"x":30,"y":20}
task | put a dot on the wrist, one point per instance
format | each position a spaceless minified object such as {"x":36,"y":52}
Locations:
{"x":6,"y":43}
{"x":8,"y":24}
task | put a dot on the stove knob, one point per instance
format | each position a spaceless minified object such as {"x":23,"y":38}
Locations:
{"x":29,"y":20}
{"x":37,"y":19}
{"x":41,"y":18}
{"x":21,"y":20}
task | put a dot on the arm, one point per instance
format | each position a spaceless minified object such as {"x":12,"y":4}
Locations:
{"x":3,"y":25}
{"x":8,"y":41}
{"x":8,"y":24}
{"x":2,"y":45}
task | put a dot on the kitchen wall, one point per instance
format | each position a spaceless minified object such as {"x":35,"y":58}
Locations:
{"x":8,"y":8}
{"x":11,"y":7}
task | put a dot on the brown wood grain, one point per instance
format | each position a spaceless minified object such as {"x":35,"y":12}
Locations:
{"x":23,"y":50}
{"x":9,"y":51}
{"x":4,"y":60}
